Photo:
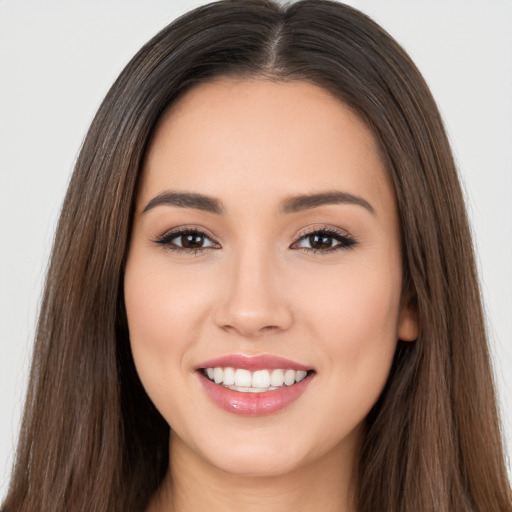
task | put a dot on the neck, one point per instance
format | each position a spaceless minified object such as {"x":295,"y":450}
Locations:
{"x":326,"y":484}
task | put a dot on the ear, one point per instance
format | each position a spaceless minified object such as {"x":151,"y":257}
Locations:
{"x":408,"y":325}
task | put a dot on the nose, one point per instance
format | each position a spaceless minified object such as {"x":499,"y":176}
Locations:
{"x":254,"y":302}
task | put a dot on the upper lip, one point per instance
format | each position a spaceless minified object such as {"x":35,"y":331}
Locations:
{"x":252,"y":362}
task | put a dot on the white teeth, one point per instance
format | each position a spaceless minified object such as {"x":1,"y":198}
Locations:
{"x":243,"y":378}
{"x":261,"y":380}
{"x":300,"y":375}
{"x":229,"y":376}
{"x":218,"y":375}
{"x":289,"y":377}
{"x":277,"y":378}
{"x":250,"y":390}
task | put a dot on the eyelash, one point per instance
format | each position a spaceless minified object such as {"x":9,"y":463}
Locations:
{"x":346,"y":241}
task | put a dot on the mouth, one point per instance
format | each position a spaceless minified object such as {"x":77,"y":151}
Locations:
{"x":259,"y":381}
{"x":253,"y":385}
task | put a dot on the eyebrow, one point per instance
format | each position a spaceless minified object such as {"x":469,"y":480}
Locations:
{"x":186,"y":200}
{"x":309,"y":201}
{"x":292,"y":205}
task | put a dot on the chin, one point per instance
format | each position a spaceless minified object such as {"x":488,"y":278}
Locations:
{"x":258,"y":465}
{"x":265,"y":456}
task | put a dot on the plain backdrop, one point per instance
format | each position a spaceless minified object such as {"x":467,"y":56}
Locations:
{"x":58,"y":59}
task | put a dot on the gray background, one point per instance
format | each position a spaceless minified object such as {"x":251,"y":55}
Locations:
{"x":58,"y":59}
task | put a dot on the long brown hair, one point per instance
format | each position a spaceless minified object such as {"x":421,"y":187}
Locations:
{"x":91,"y":438}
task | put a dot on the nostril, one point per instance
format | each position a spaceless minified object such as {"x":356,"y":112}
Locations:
{"x":270,"y":328}
{"x":248,"y":332}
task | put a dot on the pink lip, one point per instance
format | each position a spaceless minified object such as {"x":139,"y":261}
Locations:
{"x":253,"y":404}
{"x":252,"y":363}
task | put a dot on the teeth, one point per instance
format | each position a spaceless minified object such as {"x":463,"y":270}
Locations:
{"x":218,"y":375}
{"x":277,"y":378}
{"x":242,"y":378}
{"x":299,"y":375}
{"x":229,"y":376}
{"x":261,"y":379}
{"x":289,"y":377}
{"x":254,"y":382}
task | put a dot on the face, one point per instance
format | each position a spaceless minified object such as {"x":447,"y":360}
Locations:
{"x":263,"y":280}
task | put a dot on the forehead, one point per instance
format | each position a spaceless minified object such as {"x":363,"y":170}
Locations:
{"x":257,"y":136}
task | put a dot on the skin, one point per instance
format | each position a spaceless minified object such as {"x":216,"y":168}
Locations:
{"x":253,"y":144}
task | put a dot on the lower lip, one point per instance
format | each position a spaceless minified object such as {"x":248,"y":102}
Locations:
{"x":253,"y":404}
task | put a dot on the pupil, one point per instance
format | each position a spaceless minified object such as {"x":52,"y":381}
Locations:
{"x":320,"y":241}
{"x":192,"y":241}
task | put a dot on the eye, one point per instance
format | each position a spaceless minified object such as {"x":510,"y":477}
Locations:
{"x":189,"y":240}
{"x":194,"y":241}
{"x":324,"y":241}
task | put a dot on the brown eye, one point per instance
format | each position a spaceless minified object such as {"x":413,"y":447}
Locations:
{"x":186,"y":240}
{"x":324,"y":241}
{"x":192,"y":240}
{"x":320,"y":242}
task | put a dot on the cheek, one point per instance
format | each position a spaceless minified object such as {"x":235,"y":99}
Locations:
{"x":162,"y":313}
{"x":162,"y":305}
{"x":151,"y":313}
{"x":353,"y":321}
{"x":358,"y":312}
{"x":356,"y":304}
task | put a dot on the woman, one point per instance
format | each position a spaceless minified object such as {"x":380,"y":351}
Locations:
{"x":268,"y":194}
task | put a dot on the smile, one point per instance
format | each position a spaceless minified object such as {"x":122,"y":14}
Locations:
{"x":253,"y":385}
{"x":245,"y":381}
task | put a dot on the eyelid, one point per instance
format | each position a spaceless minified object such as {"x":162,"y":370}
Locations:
{"x":324,"y":228}
{"x":346,"y":241}
{"x":165,"y":238}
